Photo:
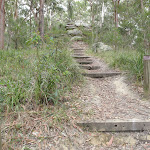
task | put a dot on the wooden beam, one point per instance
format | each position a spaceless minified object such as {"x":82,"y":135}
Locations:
{"x":89,"y":67}
{"x":116,"y":125}
{"x":80,"y":57}
{"x":101,"y":75}
{"x":79,"y":54}
{"x":79,"y":51}
{"x":85,"y":62}
{"x":76,"y":49}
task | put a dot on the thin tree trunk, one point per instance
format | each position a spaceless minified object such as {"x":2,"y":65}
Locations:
{"x":116,"y":16}
{"x":16,"y":11}
{"x":2,"y":23}
{"x":92,"y":20}
{"x":30,"y":16}
{"x":142,"y":4}
{"x":115,"y":12}
{"x":0,"y":139}
{"x":41,"y":16}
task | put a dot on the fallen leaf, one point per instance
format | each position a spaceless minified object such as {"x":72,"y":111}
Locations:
{"x":110,"y":142}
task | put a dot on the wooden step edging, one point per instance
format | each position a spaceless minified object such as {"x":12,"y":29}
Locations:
{"x":116,"y":125}
{"x":80,"y":57}
{"x":76,"y":49}
{"x":89,"y":67}
{"x":79,"y":54}
{"x":101,"y":75}
{"x":85,"y":62}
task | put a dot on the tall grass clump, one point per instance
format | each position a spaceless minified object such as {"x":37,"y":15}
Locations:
{"x":127,"y":60}
{"x":38,"y":75}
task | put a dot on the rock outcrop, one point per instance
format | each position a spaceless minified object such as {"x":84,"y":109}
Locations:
{"x":97,"y":47}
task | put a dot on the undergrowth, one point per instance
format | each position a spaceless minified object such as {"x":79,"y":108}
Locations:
{"x":127,"y":60}
{"x":26,"y":79}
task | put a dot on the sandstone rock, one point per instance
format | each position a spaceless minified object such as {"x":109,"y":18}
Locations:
{"x":97,"y":47}
{"x":75,"y":32}
{"x":79,"y":24}
{"x":76,"y":38}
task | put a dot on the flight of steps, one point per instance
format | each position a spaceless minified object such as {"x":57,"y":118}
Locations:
{"x":86,"y":62}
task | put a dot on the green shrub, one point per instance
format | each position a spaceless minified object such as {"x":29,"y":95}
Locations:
{"x":128,"y":60}
{"x":25,"y":79}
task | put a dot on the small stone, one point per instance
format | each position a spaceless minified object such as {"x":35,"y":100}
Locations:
{"x":95,"y":141}
{"x":131,"y":141}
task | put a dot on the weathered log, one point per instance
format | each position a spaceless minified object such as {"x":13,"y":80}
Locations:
{"x":101,"y":75}
{"x":116,"y":125}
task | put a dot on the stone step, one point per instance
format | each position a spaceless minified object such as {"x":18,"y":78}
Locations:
{"x":101,"y":75}
{"x":131,"y":125}
{"x":70,"y":28}
{"x":85,"y":61}
{"x":80,"y":57}
{"x":89,"y":67}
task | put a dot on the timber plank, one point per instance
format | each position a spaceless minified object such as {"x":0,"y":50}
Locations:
{"x":84,"y":61}
{"x":80,"y":57}
{"x":89,"y":67}
{"x":76,"y":49}
{"x":79,"y":54}
{"x":101,"y":75}
{"x":116,"y":125}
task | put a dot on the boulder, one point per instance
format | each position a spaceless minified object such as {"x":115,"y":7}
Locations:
{"x":79,"y":24}
{"x":97,"y":47}
{"x":77,"y":38}
{"x":75,"y":32}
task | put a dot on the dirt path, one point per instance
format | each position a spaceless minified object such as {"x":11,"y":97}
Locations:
{"x":112,"y":98}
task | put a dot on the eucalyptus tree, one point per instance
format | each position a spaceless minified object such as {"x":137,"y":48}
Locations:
{"x":2,"y":23}
{"x":70,"y":9}
{"x":16,"y":23}
{"x":41,"y":19}
{"x":125,"y":23}
{"x":54,"y":12}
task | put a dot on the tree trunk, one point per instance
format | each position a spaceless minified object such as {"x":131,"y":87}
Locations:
{"x":30,"y":17}
{"x":142,"y":4}
{"x":2,"y":24}
{"x":41,"y":19}
{"x":16,"y":11}
{"x":70,"y":10}
{"x":0,"y":139}
{"x":116,"y":15}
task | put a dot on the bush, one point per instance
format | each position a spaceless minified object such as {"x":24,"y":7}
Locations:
{"x":27,"y":79}
{"x":128,"y":60}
